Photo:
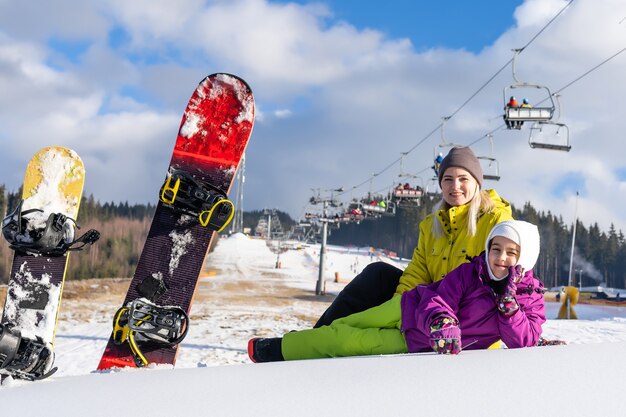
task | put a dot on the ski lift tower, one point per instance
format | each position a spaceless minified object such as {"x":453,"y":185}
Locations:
{"x":570,"y":278}
{"x":241,"y":178}
{"x":324,"y":219}
{"x":275,"y":235}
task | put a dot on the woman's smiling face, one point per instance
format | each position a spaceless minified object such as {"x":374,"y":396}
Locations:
{"x":458,"y":187}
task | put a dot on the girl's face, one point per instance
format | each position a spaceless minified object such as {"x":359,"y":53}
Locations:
{"x":503,"y":253}
{"x":458,"y":186}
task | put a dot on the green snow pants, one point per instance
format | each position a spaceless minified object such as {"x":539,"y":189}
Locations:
{"x":374,"y":331}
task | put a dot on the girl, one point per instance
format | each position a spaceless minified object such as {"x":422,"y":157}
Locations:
{"x":494,"y":296}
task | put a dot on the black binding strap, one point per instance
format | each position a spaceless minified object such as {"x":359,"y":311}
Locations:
{"x":24,"y":358}
{"x":54,"y":239}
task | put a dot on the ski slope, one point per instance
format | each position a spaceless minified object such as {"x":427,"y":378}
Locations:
{"x":242,"y":294}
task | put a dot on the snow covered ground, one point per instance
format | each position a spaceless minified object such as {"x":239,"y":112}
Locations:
{"x":242,"y":294}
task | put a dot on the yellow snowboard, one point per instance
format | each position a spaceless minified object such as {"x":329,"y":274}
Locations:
{"x":53,"y":183}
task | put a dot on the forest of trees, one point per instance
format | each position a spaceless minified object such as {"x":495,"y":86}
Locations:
{"x":600,"y":256}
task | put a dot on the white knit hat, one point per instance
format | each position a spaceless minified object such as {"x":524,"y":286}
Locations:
{"x":525,"y":234}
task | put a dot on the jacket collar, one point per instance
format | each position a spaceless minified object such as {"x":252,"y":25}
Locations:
{"x":453,"y":216}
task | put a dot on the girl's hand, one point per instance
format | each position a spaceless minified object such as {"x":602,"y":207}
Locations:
{"x":445,"y":336}
{"x":505,"y":293}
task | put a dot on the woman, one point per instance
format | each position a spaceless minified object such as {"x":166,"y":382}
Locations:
{"x":455,"y":231}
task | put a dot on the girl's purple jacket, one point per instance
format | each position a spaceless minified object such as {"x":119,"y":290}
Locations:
{"x":464,"y":294}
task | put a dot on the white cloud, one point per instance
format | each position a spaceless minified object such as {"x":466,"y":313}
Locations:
{"x":535,"y":14}
{"x":283,"y":113}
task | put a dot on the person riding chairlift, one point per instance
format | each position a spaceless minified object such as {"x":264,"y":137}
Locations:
{"x":512,"y":104}
{"x":525,"y":104}
{"x":437,"y":161}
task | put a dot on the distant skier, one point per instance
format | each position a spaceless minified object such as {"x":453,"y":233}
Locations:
{"x":511,"y":104}
{"x":439,"y":316}
{"x":525,"y":105}
{"x":437,"y":164}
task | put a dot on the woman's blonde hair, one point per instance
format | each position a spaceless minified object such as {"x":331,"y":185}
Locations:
{"x":479,"y":203}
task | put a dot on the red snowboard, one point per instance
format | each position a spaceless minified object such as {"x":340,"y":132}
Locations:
{"x":213,"y":135}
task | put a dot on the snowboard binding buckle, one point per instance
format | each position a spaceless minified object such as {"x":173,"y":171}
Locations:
{"x":218,"y":216}
{"x":142,"y":323}
{"x":191,"y":196}
{"x":53,"y":236}
{"x":24,"y":358}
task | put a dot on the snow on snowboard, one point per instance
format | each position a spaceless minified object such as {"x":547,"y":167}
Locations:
{"x":193,"y":204}
{"x":41,"y":230}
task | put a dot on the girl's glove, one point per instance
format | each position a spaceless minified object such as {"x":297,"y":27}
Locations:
{"x":445,"y":336}
{"x":505,"y":291}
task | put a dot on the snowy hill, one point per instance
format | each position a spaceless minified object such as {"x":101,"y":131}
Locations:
{"x":242,"y":294}
{"x":577,"y":380}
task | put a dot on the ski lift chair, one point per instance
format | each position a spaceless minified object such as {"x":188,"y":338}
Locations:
{"x":515,"y":116}
{"x":391,"y":208}
{"x":355,"y":212}
{"x":374,"y":209}
{"x":537,"y":129}
{"x":492,"y":174}
{"x":410,"y":196}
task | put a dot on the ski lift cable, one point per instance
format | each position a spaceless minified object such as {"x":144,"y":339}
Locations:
{"x":480,"y":89}
{"x":546,"y":25}
{"x":432,"y":132}
{"x":471,"y":96}
{"x":487,"y":135}
{"x":370,"y":178}
{"x":424,"y":139}
{"x":580,"y":77}
{"x":589,"y":72}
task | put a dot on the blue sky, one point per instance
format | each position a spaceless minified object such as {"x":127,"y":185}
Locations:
{"x":469,"y":25}
{"x":342,"y":88}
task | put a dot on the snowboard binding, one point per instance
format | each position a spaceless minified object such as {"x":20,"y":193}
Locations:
{"x":28,"y":233}
{"x":189,"y":195}
{"x":142,"y":323}
{"x":24,"y":358}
